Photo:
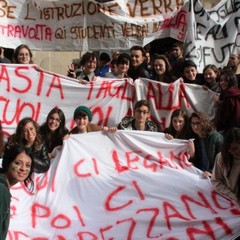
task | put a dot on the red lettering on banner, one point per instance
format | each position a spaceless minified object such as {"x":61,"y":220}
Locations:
{"x":109,"y":89}
{"x":152,"y":221}
{"x":80,"y":218}
{"x":5,"y":76}
{"x":215,"y":196}
{"x":132,"y":157}
{"x":66,"y":222}
{"x":56,"y":83}
{"x":192,"y":231}
{"x":168,"y":206}
{"x":131,"y":228}
{"x":105,"y":229}
{"x":101,"y":112}
{"x":87,"y":174}
{"x":82,"y":234}
{"x":165,"y":161}
{"x":120,"y":168}
{"x":36,"y":209}
{"x":109,"y":199}
{"x":148,"y":164}
{"x":140,"y":193}
{"x":154,"y":91}
{"x":183,"y":94}
{"x":19,"y":111}
{"x":22,"y":76}
{"x":225,"y":227}
{"x":118,"y":190}
{"x":41,"y":182}
{"x":181,"y":158}
{"x":186,"y":199}
{"x":16,"y":235}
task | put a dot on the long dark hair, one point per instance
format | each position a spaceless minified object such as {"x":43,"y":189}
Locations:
{"x":18,"y":136}
{"x":183,"y":134}
{"x":10,"y":154}
{"x":231,"y":136}
{"x":168,"y":77}
{"x":59,"y":133}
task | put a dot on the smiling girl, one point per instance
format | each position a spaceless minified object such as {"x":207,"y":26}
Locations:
{"x":28,"y":135}
{"x":17,"y":166}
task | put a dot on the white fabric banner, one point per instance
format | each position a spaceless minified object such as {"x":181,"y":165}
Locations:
{"x":126,"y":185}
{"x":164,"y":98}
{"x":212,"y":34}
{"x":88,"y":25}
{"x":26,"y":92}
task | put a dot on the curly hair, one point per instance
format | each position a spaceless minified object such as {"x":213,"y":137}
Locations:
{"x":207,"y":125}
{"x":19,"y":138}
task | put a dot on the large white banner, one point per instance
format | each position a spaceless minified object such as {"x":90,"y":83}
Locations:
{"x":212,"y":34}
{"x":127,"y":185}
{"x":27,"y":92}
{"x":88,"y":25}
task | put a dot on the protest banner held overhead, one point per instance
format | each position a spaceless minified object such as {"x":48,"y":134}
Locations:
{"x":210,"y":35}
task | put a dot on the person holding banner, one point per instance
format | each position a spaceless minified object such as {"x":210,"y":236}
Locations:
{"x":208,"y":142}
{"x":190,"y":73}
{"x":162,"y":69}
{"x":23,"y":55}
{"x":123,"y":63}
{"x":138,"y":67}
{"x":89,"y":63}
{"x":28,"y":135}
{"x":211,"y":78}
{"x":140,"y":119}
{"x":83,"y":117}
{"x":228,"y":104}
{"x":17,"y":166}
{"x":226,"y":171}
{"x":54,"y":130}
{"x":179,"y":125}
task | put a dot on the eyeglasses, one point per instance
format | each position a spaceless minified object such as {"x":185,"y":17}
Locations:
{"x":142,"y":111}
{"x":54,"y":119}
{"x":195,"y":123}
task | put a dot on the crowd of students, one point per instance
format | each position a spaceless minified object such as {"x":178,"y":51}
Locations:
{"x":216,"y":145}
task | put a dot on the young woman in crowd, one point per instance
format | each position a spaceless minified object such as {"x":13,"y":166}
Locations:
{"x":162,"y":69}
{"x":211,"y":78}
{"x":226,"y":171}
{"x":17,"y":166}
{"x":123,"y":63}
{"x":54,"y":129}
{"x":28,"y":135}
{"x":179,"y":125}
{"x":83,"y":117}
{"x":23,"y":55}
{"x":228,"y":104}
{"x":139,"y":120}
{"x":208,"y":142}
{"x":89,"y":63}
